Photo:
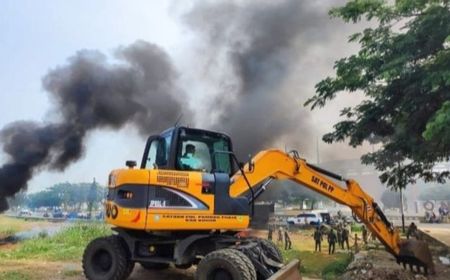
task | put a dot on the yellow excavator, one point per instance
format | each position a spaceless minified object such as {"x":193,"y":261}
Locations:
{"x":190,"y":199}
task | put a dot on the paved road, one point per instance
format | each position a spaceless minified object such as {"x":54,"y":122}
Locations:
{"x":439,"y":231}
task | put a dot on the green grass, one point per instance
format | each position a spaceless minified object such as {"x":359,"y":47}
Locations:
{"x":318,"y":264}
{"x":356,"y":227}
{"x":72,"y":273}
{"x":9,"y":226}
{"x":336,"y":268}
{"x":14,"y":275}
{"x":66,"y":245}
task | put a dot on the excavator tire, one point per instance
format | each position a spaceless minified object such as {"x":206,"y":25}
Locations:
{"x":106,"y":258}
{"x":154,"y":266}
{"x":271,"y":250}
{"x":225,"y":264}
{"x":248,"y":263}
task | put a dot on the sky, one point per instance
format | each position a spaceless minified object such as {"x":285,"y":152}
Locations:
{"x":37,"y":36}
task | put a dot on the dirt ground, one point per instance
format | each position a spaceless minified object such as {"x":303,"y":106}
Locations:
{"x":372,"y":264}
{"x":36,"y":270}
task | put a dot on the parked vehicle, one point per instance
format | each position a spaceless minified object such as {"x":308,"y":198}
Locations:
{"x":57,"y":214}
{"x":25,"y":213}
{"x":306,"y":218}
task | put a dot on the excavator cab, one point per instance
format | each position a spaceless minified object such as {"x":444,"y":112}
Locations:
{"x":188,"y":149}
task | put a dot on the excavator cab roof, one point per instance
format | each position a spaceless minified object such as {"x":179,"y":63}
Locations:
{"x":189,"y":149}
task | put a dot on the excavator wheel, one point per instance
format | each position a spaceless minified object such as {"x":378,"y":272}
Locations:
{"x":250,"y":267}
{"x":416,"y":253}
{"x":106,"y":258}
{"x":271,"y":250}
{"x":225,"y":264}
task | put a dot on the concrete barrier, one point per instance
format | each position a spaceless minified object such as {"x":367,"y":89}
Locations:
{"x":289,"y":272}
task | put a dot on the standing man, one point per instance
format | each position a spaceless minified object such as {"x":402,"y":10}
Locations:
{"x":287,"y":241}
{"x":318,"y":239}
{"x":280,"y":235}
{"x":345,"y":234}
{"x":364,"y":234}
{"x":331,"y":242}
{"x":339,"y":236}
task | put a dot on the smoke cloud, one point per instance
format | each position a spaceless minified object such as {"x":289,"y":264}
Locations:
{"x":266,"y":54}
{"x":91,"y":93}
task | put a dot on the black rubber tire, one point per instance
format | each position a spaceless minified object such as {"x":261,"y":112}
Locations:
{"x":154,"y":266}
{"x":271,"y":250}
{"x":248,"y":263}
{"x":106,"y":258}
{"x":225,"y":263}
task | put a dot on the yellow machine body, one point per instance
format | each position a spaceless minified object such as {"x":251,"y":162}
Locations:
{"x":152,"y":214}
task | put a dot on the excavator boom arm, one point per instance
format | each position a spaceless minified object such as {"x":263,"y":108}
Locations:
{"x":279,"y":165}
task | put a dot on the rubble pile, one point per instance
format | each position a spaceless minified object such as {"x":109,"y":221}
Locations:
{"x":368,"y":265}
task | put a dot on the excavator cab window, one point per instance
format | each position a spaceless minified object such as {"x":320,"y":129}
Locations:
{"x":199,"y":150}
{"x":157,"y":152}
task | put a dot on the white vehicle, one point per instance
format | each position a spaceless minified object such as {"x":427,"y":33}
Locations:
{"x":25,"y":212}
{"x":306,"y":218}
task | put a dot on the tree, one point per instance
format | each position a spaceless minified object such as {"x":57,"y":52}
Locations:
{"x":403,"y":68}
{"x":68,"y":195}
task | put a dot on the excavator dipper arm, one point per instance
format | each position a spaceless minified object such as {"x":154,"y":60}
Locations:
{"x":282,"y":166}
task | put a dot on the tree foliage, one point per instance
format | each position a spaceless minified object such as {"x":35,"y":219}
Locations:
{"x":67,"y":195}
{"x":403,"y":68}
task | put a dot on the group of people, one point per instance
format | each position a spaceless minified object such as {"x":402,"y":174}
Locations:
{"x":341,"y":236}
{"x":281,"y":233}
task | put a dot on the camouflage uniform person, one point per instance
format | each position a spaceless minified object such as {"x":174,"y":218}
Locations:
{"x":345,"y":236}
{"x":287,"y":241}
{"x":331,"y":241}
{"x":339,"y":236}
{"x":364,"y":234}
{"x":280,"y":235}
{"x":318,"y":239}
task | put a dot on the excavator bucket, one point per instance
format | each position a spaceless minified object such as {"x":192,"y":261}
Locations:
{"x":416,"y":253}
{"x":288,"y":272}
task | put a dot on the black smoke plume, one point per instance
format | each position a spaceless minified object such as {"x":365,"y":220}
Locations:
{"x":264,"y":51}
{"x":91,"y":93}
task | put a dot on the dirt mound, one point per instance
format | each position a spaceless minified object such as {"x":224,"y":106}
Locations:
{"x":376,"y":264}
